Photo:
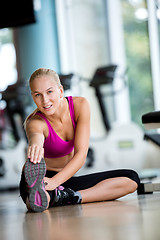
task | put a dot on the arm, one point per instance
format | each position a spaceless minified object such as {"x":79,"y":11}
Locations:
{"x":81,"y":143}
{"x":35,"y":135}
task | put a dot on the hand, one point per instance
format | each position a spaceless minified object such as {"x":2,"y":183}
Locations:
{"x":49,"y":184}
{"x":35,"y":153}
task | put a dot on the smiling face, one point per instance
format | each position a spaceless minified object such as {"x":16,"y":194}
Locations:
{"x":46,"y":93}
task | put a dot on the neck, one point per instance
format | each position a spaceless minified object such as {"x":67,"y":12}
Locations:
{"x":59,"y":115}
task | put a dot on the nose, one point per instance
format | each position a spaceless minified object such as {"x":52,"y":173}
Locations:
{"x":45,"y":99}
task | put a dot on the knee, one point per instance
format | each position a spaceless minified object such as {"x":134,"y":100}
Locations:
{"x":132,"y":179}
{"x":131,"y":185}
{"x":134,"y":176}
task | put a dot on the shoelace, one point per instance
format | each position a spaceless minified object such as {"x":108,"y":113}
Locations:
{"x":60,"y":187}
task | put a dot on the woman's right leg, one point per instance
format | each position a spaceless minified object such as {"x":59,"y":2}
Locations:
{"x":60,"y":196}
{"x":32,"y":188}
{"x":24,"y":192}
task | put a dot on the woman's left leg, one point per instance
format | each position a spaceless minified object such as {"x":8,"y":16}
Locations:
{"x":109,"y":189}
{"x":108,"y":185}
{"x":101,"y":186}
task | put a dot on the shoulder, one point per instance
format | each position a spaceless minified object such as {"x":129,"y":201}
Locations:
{"x":35,"y":122}
{"x":81,"y":107}
{"x":80,"y":101}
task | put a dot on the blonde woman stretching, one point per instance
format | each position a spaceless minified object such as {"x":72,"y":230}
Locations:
{"x":58,"y":134}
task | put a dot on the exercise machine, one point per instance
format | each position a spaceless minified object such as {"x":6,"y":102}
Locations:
{"x":13,"y":141}
{"x":17,"y":105}
{"x":122,"y":145}
{"x":151,"y":121}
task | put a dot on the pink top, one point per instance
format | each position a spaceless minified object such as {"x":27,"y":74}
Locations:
{"x":54,"y":146}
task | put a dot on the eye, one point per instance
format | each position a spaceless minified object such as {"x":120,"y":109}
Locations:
{"x":50,"y":91}
{"x":37,"y":95}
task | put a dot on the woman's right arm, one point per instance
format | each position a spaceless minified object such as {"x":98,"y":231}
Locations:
{"x":35,"y":135}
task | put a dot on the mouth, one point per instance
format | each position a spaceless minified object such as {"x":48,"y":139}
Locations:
{"x":47,"y":107}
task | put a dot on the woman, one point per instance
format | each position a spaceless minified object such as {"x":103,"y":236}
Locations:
{"x":58,"y":135}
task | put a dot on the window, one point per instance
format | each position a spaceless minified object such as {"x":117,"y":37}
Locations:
{"x":8,"y":72}
{"x":135,"y":25}
{"x":83,"y":47}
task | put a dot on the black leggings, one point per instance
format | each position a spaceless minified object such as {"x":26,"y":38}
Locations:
{"x":78,"y":183}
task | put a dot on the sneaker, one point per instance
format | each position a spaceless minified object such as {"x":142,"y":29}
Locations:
{"x":34,"y":174}
{"x":65,"y":196}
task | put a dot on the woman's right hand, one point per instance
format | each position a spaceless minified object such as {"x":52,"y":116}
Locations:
{"x":35,"y":153}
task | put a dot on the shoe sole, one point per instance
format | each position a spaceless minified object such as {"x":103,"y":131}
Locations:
{"x":34,"y":174}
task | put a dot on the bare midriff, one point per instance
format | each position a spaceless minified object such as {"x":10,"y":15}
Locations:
{"x":57,"y":164}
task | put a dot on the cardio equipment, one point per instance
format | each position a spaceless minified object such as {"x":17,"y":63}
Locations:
{"x":122,"y":145}
{"x":151,"y":120}
{"x":102,"y":76}
{"x":13,"y":140}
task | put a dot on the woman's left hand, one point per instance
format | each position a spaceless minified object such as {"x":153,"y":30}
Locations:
{"x":49,"y":184}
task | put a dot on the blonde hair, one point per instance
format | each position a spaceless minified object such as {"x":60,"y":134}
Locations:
{"x":39,"y":73}
{"x":45,"y":72}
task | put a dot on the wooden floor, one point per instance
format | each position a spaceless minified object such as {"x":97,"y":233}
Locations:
{"x":132,"y":217}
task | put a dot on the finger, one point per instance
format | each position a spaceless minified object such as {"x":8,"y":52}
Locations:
{"x":29,"y":152}
{"x":33,"y":154}
{"x":40,"y":155}
{"x":36,"y":154}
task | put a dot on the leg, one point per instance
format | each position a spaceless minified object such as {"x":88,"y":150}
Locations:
{"x":107,"y":185}
{"x":57,"y":197}
{"x":101,"y":186}
{"x":109,"y":189}
{"x":28,"y":192}
{"x":32,"y":189}
{"x":24,"y":192}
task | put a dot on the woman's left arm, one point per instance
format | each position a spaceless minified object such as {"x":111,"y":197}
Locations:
{"x":81,"y":143}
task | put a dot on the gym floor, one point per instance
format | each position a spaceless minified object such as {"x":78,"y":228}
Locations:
{"x":131,"y":217}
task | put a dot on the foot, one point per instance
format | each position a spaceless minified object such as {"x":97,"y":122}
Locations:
{"x":34,"y":174}
{"x":65,"y":196}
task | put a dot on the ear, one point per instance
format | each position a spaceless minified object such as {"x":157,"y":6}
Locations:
{"x":61,"y":92}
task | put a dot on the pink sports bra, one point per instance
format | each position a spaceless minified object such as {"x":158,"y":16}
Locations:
{"x":54,"y":146}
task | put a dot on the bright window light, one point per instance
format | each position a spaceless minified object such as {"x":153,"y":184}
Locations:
{"x":8,"y":72}
{"x":141,"y":14}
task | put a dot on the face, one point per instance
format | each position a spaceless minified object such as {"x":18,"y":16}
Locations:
{"x":46,"y":94}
